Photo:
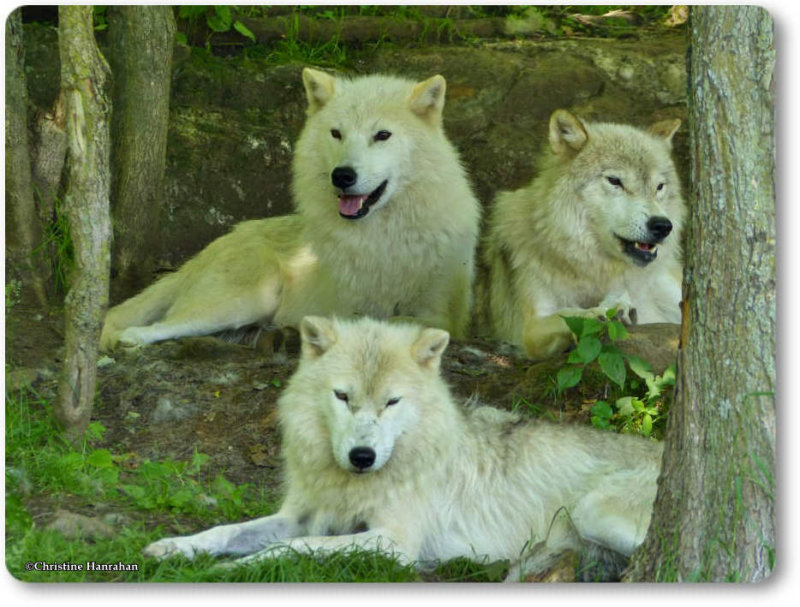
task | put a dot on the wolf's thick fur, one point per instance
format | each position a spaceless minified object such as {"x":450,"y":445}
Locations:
{"x":599,"y":227}
{"x":399,"y":242}
{"x":378,"y":456}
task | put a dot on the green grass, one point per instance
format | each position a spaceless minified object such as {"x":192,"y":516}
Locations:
{"x":152,"y":499}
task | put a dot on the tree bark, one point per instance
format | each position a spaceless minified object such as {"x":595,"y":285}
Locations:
{"x":24,"y":229}
{"x":48,"y":153}
{"x":714,"y":516}
{"x":140,"y":55}
{"x":84,"y":76}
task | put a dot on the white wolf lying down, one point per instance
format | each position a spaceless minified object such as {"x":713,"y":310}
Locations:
{"x":379,"y":457}
{"x":599,"y":227}
{"x":400,"y":241}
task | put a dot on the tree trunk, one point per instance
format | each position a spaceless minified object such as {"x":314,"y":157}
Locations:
{"x":140,"y":55}
{"x":84,"y":76}
{"x":24,"y":231}
{"x":714,"y":516}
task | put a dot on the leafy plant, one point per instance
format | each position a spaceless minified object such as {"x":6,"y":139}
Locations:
{"x":634,"y":414}
{"x":635,"y":411}
{"x":589,"y":333}
{"x":58,"y":249}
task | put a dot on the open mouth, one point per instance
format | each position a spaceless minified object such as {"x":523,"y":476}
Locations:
{"x":356,"y":206}
{"x":642,"y":253}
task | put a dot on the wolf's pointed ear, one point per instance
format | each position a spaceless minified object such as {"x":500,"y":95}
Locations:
{"x":428,"y":348}
{"x":427,"y":98}
{"x":665,"y":129}
{"x":319,"y":88}
{"x":318,"y":335}
{"x":566,"y":131}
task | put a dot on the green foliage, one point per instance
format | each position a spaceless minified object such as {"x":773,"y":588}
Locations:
{"x":292,"y":48}
{"x":43,"y":467}
{"x":13,"y":293}
{"x":99,"y":17}
{"x":640,"y":408}
{"x":218,"y":18}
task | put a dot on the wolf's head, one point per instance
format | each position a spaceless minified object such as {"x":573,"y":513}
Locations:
{"x":624,"y":181}
{"x":360,"y":386}
{"x":362,"y":139}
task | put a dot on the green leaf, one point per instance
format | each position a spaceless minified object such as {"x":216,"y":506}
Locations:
{"x":224,"y":14}
{"x":640,"y":367}
{"x":574,"y":357}
{"x":568,"y":377}
{"x":611,"y":313}
{"x":217,"y":25}
{"x":95,"y":431}
{"x":592,"y":326}
{"x":588,"y":348}
{"x":100,"y":458}
{"x":613,"y":366}
{"x":244,"y":30}
{"x":617,"y":331}
{"x":135,"y":491}
{"x":222,"y":486}
{"x":601,"y":422}
{"x":191,"y":11}
{"x":198,"y":460}
{"x":647,"y":424}
{"x":108,"y":476}
{"x":180,"y":498}
{"x":625,"y":406}
{"x":575,"y":324}
{"x":602,"y":409}
{"x":181,"y":39}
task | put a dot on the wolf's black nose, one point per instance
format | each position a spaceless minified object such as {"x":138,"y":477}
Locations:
{"x":362,"y":457}
{"x":659,"y":227}
{"x":344,"y":177}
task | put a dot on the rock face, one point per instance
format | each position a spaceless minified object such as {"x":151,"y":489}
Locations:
{"x":234,"y":120}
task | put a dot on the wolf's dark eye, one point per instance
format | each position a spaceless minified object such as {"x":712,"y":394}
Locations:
{"x":342,"y":396}
{"x":392,"y":401}
{"x":336,"y":133}
{"x":382,"y":135}
{"x":615,"y":181}
{"x":659,"y":187}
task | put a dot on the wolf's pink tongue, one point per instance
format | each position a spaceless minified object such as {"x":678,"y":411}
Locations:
{"x":350,"y":205}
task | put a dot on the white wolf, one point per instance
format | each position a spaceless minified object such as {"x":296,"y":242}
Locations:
{"x":599,"y":227}
{"x":379,"y":457}
{"x":400,"y":241}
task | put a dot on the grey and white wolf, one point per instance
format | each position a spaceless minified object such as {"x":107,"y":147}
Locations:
{"x":386,"y":226}
{"x":598,"y":227}
{"x":378,"y":456}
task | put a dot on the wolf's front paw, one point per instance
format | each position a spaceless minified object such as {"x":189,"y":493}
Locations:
{"x":169,"y":546}
{"x":130,"y":338}
{"x":624,"y":314}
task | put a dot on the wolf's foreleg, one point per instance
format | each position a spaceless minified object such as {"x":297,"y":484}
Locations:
{"x":374,"y":540}
{"x":238,"y":538}
{"x":545,"y":336}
